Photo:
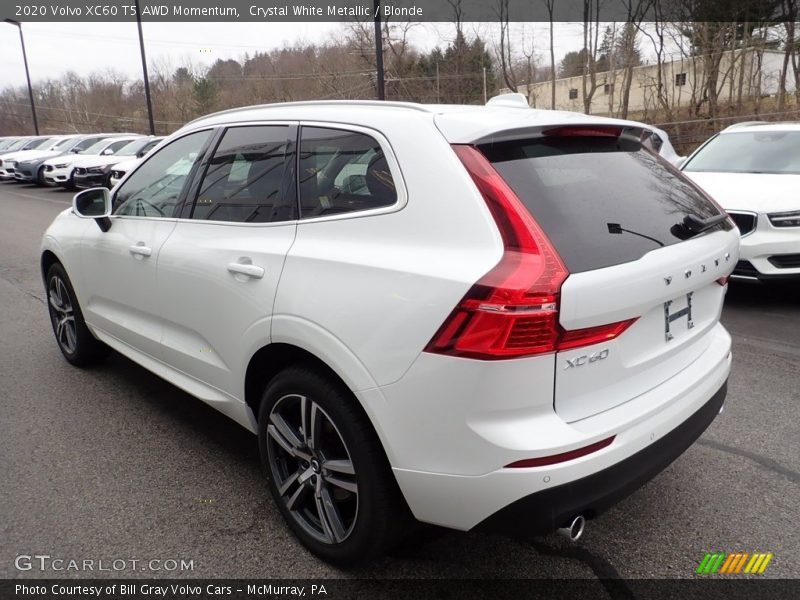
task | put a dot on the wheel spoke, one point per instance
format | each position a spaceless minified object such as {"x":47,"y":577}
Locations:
{"x":273,"y":432}
{"x":286,"y":432}
{"x":299,"y":493}
{"x":290,"y":481}
{"x":64,"y":296}
{"x":340,"y":482}
{"x":340,"y":466}
{"x":53,"y":302}
{"x":329,"y":516}
{"x":305,"y":420}
{"x":316,"y":424}
{"x":71,"y":341}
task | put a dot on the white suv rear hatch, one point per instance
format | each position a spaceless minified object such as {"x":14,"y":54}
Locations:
{"x":644,"y":248}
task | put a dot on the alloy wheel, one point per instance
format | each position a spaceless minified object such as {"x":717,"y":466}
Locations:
{"x":62,"y":315}
{"x":312,"y":469}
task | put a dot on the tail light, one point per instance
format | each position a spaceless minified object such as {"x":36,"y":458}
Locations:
{"x":513,"y":310}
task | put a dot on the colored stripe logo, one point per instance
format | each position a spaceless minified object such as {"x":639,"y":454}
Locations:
{"x":724,"y":563}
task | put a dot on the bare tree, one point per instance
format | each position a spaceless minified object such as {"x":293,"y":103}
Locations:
{"x":550,"y":6}
{"x":591,"y":32}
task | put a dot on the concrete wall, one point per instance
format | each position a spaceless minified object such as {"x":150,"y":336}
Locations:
{"x":756,"y":72}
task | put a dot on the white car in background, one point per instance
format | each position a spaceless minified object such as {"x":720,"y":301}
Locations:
{"x":8,"y":160}
{"x":753,"y":171}
{"x":119,"y":170}
{"x":95,"y":171}
{"x":415,"y":308}
{"x":59,"y":170}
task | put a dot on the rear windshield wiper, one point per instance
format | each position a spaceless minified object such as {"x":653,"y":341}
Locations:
{"x":697,"y":225}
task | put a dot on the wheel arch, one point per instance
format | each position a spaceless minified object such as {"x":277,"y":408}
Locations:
{"x":47,"y":260}
{"x":273,"y":358}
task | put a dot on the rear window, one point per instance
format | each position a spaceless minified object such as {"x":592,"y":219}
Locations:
{"x":603,"y":201}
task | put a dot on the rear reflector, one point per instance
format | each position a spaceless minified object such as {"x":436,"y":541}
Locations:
{"x":543,"y":461}
{"x":513,"y":310}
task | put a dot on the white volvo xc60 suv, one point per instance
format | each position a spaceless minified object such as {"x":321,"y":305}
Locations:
{"x":489,"y":318}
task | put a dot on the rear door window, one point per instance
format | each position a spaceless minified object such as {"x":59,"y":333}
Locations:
{"x":342,"y":171}
{"x":244,"y":181}
{"x":602,"y":200}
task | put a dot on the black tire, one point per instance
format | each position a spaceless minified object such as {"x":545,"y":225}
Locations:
{"x":370,"y":524}
{"x":40,"y":177}
{"x":74,"y":339}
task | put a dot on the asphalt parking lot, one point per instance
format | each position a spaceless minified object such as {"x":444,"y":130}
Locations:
{"x":114,"y":463}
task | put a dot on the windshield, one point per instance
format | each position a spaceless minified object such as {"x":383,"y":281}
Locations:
{"x":18,"y":144}
{"x":96,"y":148}
{"x":34,"y":144}
{"x":750,"y":152}
{"x":64,"y":144}
{"x":133,"y":148}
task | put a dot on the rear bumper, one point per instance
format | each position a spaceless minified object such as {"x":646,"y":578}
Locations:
{"x":547,"y":510}
{"x":462,"y":456}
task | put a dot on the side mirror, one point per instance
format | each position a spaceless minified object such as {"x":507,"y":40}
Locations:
{"x":94,"y":204}
{"x":107,"y":152}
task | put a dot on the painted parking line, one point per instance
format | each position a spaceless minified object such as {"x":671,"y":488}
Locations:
{"x":35,"y":197}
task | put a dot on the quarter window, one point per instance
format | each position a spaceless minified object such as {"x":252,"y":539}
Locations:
{"x":342,"y":171}
{"x":154,"y":189}
{"x":244,"y":179}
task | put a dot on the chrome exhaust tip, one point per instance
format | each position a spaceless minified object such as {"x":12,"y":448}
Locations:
{"x":575,"y":529}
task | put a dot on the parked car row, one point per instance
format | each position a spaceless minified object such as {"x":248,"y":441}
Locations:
{"x":70,"y":161}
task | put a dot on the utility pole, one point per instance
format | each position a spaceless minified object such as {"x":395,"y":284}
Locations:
{"x":437,"y":83}
{"x":378,"y":51}
{"x":144,"y":71}
{"x":27,"y":73}
{"x":484,"y":85}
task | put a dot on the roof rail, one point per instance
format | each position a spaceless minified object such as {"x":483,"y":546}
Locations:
{"x":512,"y":100}
{"x":407,"y":105}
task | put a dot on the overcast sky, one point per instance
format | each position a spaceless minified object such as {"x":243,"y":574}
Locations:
{"x":55,"y":48}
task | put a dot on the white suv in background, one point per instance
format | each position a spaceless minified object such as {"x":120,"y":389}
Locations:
{"x":488,"y":318}
{"x":753,"y":170}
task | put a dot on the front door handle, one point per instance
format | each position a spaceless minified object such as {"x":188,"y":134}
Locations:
{"x":140,"y":250}
{"x":246,"y":267}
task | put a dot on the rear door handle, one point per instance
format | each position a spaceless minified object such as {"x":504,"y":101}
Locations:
{"x":247,"y":268}
{"x":140,"y":250}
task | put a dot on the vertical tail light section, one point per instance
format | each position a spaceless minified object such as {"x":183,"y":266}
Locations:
{"x":513,"y":310}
